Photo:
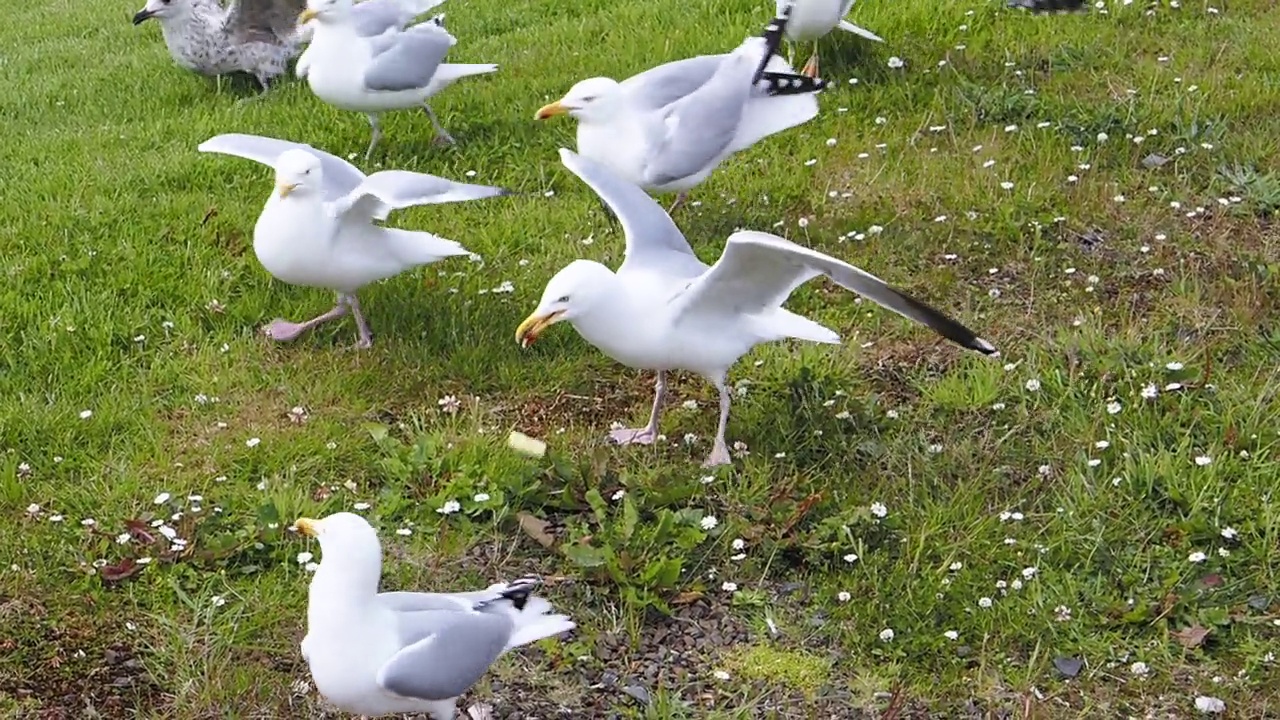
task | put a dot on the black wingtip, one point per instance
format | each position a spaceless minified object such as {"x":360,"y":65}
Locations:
{"x":1047,"y":6}
{"x":791,"y":84}
{"x":518,"y":592}
{"x":772,"y":35}
{"x":947,"y":327}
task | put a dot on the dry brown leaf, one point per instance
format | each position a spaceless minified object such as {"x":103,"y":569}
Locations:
{"x":686,"y":598}
{"x":536,"y":528}
{"x":1191,"y":637}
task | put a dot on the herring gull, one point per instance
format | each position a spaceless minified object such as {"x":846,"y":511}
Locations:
{"x":665,"y":310}
{"x":252,"y":36}
{"x":318,"y":226}
{"x":380,"y":653}
{"x":812,"y":19}
{"x":396,"y":70}
{"x":669,"y":127}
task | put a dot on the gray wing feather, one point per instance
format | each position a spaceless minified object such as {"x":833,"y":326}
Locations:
{"x":444,"y":654}
{"x":409,"y":62}
{"x":389,"y":190}
{"x":340,"y":176}
{"x":698,"y":128}
{"x":758,"y":271}
{"x":271,"y":21}
{"x":374,"y":17}
{"x":653,"y":240}
{"x":658,"y":87}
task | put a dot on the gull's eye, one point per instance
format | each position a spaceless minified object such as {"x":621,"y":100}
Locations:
{"x":563,"y":299}
{"x":588,"y":98}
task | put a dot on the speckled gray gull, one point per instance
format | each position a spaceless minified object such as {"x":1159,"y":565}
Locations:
{"x":395,"y":70}
{"x":318,"y":226}
{"x":252,"y":36}
{"x":668,"y":128}
{"x":665,"y":310}
{"x":370,"y":19}
{"x":375,"y":654}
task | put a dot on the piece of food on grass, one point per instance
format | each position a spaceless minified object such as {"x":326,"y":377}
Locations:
{"x":526,"y":445}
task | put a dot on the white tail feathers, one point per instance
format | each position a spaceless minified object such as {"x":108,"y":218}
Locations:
{"x":860,"y":32}
{"x":790,"y":325}
{"x":413,"y":247}
{"x":538,"y":627}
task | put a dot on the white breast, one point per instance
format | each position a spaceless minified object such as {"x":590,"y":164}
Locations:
{"x":811,"y":19}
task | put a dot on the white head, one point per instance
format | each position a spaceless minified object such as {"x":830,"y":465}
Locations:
{"x":590,"y":99}
{"x":325,"y":11}
{"x":298,"y":172}
{"x":161,"y":10}
{"x":573,"y":293}
{"x":350,"y":554}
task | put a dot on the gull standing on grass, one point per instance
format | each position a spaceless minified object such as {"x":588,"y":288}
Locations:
{"x":318,"y":230}
{"x":668,"y":128}
{"x":371,"y":18}
{"x":392,"y":71}
{"x":376,"y":654}
{"x":253,"y":36}
{"x":812,"y":19}
{"x":665,"y":310}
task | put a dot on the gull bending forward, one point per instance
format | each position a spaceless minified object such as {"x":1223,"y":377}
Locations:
{"x":668,"y":128}
{"x":376,"y":654}
{"x":395,"y":70}
{"x":665,"y":310}
{"x":318,"y":230}
{"x":252,"y":36}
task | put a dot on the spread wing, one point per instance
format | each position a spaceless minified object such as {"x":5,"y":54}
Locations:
{"x":389,"y":190}
{"x":340,"y":176}
{"x":654,"y":243}
{"x":443,"y":653}
{"x":270,"y":21}
{"x":758,"y":271}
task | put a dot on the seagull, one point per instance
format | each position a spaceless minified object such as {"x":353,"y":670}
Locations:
{"x":669,"y":127}
{"x":318,"y":230}
{"x":812,"y":19}
{"x":391,"y":71}
{"x":252,"y":36}
{"x":665,"y":310}
{"x":386,"y":653}
{"x":372,"y":18}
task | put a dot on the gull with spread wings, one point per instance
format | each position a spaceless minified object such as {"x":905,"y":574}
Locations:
{"x":318,"y":226}
{"x":665,"y":310}
{"x":668,"y":128}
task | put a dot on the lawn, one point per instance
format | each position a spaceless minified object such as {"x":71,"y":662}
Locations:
{"x":1082,"y":527}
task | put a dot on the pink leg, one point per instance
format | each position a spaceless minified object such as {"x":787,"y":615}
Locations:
{"x":720,"y":451}
{"x":282,"y":330}
{"x":647,"y":434}
{"x":365,"y":339}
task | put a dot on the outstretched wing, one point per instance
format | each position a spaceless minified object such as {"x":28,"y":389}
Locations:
{"x":270,"y":21}
{"x":654,"y":243}
{"x":340,"y":176}
{"x":389,"y":190}
{"x":758,"y":271}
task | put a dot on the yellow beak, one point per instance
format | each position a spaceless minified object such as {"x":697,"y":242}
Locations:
{"x":308,"y":527}
{"x":285,"y":189}
{"x":547,"y":111}
{"x":307,"y":15}
{"x":533,"y":326}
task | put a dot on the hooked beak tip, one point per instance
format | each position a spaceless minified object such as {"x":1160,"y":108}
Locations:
{"x":308,"y":527}
{"x":533,"y":326}
{"x":285,"y":189}
{"x":551,"y":110}
{"x":141,"y":16}
{"x":306,"y":16}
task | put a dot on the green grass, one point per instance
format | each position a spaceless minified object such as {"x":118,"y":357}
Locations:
{"x":131,"y":290}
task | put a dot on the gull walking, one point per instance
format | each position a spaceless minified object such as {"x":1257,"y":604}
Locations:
{"x":251,"y":36}
{"x":665,"y":310}
{"x":370,"y":19}
{"x":668,"y":128}
{"x":317,"y":228}
{"x":395,"y":70}
{"x":386,"y":653}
